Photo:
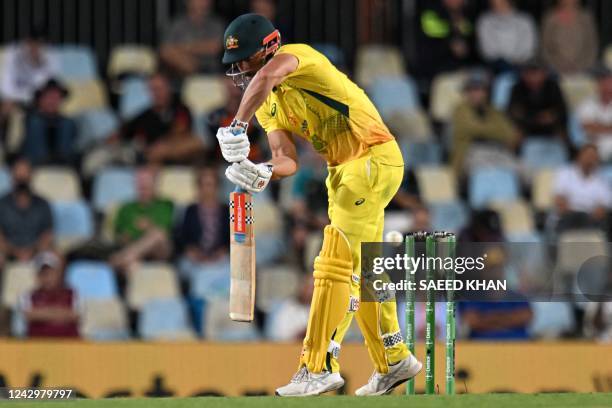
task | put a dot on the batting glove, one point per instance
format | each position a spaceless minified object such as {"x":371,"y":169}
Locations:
{"x":234,"y":142}
{"x":250,"y":176}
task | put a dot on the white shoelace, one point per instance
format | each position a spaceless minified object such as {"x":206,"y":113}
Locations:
{"x":299,"y":376}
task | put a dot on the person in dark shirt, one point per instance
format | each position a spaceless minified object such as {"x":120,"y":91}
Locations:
{"x":49,"y":136}
{"x":537,"y":106}
{"x":446,"y":38}
{"x":51,"y":310}
{"x":163,"y":133}
{"x":25,"y":218}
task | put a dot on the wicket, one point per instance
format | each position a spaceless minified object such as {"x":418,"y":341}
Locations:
{"x":447,"y":249}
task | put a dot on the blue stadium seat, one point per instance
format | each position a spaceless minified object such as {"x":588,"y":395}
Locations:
{"x":332,"y":52}
{"x":134,"y":99}
{"x":113,"y":185}
{"x":606,"y":172}
{"x":77,"y":62}
{"x":502,"y":90}
{"x":450,"y":216}
{"x":492,"y":184}
{"x":418,"y":154}
{"x":95,"y":126}
{"x":5,"y":180}
{"x":165,"y":319}
{"x":394,"y":94}
{"x":92,"y":280}
{"x":577,"y":134}
{"x":540,"y":153}
{"x":72,"y":220}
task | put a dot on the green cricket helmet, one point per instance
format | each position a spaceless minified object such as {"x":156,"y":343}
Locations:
{"x":247,"y":35}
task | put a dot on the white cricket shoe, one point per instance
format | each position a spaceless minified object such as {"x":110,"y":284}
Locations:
{"x":381,"y":384}
{"x":304,"y":384}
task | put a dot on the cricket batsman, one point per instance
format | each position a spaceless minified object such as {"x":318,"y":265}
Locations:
{"x":294,"y":90}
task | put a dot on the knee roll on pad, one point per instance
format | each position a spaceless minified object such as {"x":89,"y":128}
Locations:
{"x":330,"y":300}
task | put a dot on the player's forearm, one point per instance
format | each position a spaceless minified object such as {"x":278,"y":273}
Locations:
{"x":255,"y":95}
{"x":283,"y":167}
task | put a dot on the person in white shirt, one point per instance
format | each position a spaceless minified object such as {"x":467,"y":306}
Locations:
{"x":506,"y":37}
{"x":27,"y":66}
{"x":582,"y":195}
{"x":595,"y":114}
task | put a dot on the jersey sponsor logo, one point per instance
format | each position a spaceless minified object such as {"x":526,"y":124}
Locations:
{"x":231,"y":42}
{"x":318,"y":143}
{"x":360,"y":201}
{"x":353,"y":304}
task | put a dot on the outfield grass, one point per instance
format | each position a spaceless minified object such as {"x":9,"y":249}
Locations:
{"x":601,"y":400}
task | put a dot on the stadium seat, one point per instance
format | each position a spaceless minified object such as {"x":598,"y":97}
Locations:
{"x":165,"y":319}
{"x":104,"y":320}
{"x":151,"y":281}
{"x":542,"y":189}
{"x":417,"y":154}
{"x":502,"y":90}
{"x":57,"y":183}
{"x":5,"y":180}
{"x":333,"y":53}
{"x":94,"y":126}
{"x":449,"y":216}
{"x":377,"y":61}
{"x":112,"y":186}
{"x":551,"y":319}
{"x":17,"y":279}
{"x":576,"y":132}
{"x":446,"y":94}
{"x":516,"y":218}
{"x":218,"y":327}
{"x":211,"y":280}
{"x":572,"y":272}
{"x":177,"y":184}
{"x":92,"y":280}
{"x":77,"y":62}
{"x":577,"y":88}
{"x":72,"y":223}
{"x":492,"y":184}
{"x":276,"y":283}
{"x":134,"y":98}
{"x":394,"y":94}
{"x":131,"y":59}
{"x":203,"y":93}
{"x":437,"y":184}
{"x":85,"y":95}
{"x":269,"y":229}
{"x":538,"y":153}
{"x":409,"y":126}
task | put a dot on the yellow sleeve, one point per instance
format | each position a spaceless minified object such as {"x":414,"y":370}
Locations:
{"x":308,"y":59}
{"x":266,"y":116}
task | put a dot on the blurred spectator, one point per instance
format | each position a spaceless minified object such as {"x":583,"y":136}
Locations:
{"x":51,"y":310}
{"x":204,"y":232}
{"x":484,"y":226}
{"x":50,"y":136}
{"x":143,"y":226}
{"x":192,"y":42}
{"x":537,"y":105}
{"x":407,"y":197}
{"x":499,"y":320}
{"x":582,"y":195}
{"x":446,"y":38}
{"x":507,"y":37}
{"x":569,"y":37}
{"x":25,"y":218}
{"x":268,"y":9}
{"x":163,"y":133}
{"x":598,"y":321}
{"x":289,"y":319}
{"x":482,"y":135}
{"x":26,"y":67}
{"x":595,"y":114}
{"x":421,"y":219}
{"x":224,"y":115}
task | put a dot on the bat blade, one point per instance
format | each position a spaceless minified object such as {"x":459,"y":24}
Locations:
{"x":242,"y":257}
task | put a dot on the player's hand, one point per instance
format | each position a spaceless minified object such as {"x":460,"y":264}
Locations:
{"x":250,"y":176}
{"x":234,"y":143}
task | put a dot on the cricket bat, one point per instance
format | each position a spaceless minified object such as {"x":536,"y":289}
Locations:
{"x":242,"y":257}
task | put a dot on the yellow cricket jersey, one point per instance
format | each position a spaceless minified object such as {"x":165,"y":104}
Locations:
{"x":320,"y":104}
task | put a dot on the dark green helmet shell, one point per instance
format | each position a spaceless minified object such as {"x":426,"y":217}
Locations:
{"x":245,"y":36}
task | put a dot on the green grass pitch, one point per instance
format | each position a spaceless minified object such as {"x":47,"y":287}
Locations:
{"x":601,"y":400}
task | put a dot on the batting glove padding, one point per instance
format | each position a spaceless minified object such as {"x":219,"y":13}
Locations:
{"x":250,"y":176}
{"x":234,"y":143}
